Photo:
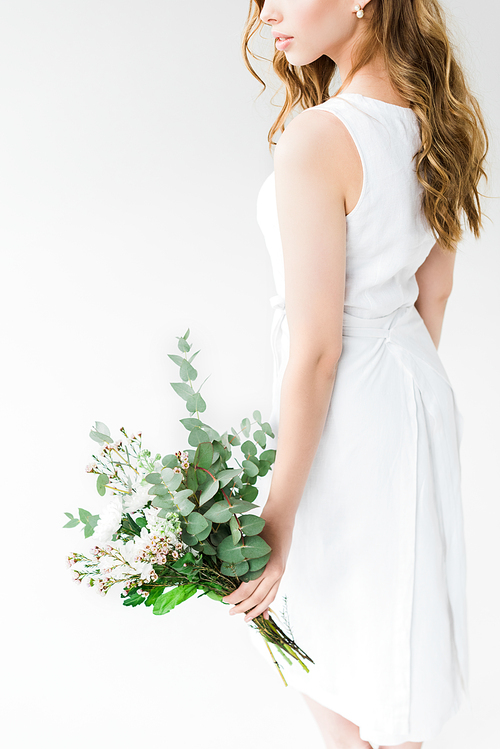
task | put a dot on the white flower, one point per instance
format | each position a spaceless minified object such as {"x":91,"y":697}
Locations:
{"x":109,"y":521}
{"x":139,"y":498}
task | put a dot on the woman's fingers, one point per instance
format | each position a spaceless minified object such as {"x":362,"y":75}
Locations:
{"x":264,"y":604}
{"x":257,"y":598}
{"x":242,"y":592}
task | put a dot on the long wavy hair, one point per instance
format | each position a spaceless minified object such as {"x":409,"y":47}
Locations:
{"x":423,"y":67}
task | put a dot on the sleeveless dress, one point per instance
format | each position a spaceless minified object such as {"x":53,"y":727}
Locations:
{"x":376,"y":576}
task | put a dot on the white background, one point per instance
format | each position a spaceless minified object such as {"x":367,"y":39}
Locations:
{"x":133,"y":146}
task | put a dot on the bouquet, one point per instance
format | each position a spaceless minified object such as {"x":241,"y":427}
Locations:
{"x":181,"y":523}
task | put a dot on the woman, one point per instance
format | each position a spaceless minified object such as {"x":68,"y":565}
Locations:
{"x":362,"y":217}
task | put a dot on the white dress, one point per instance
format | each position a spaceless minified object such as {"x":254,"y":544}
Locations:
{"x":376,"y":577}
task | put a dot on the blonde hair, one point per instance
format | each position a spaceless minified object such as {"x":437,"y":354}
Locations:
{"x":422,"y":66}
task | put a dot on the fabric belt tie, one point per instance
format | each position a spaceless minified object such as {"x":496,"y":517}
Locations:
{"x":405,"y":334}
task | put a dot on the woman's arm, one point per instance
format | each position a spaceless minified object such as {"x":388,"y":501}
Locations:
{"x":315,"y":163}
{"x":435,"y":282}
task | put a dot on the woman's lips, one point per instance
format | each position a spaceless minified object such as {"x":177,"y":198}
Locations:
{"x":283,"y":43}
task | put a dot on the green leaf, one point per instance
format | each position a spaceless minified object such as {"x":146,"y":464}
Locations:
{"x":190,"y":422}
{"x":235,"y":531}
{"x":72,"y":523}
{"x":191,"y":480}
{"x":164,"y":503}
{"x":196,"y":523}
{"x":204,"y":455}
{"x":101,"y":482}
{"x":254,"y":547}
{"x":208,"y":492}
{"x":250,"y":575}
{"x":248,"y":448}
{"x":172,"y":598}
{"x":205,"y":532}
{"x":240,"y":505}
{"x":100,"y":437}
{"x":141,"y":522}
{"x":251,"y":524}
{"x":234,"y":570}
{"x":233,"y":439}
{"x":85,"y":515}
{"x":264,"y":467}
{"x":183,"y":345}
{"x":170,"y":461}
{"x":187,"y":371}
{"x":187,"y":560}
{"x":266,"y":427}
{"x":155,"y":593}
{"x":259,"y":562}
{"x":176,"y":359}
{"x":185,"y":505}
{"x":159,"y":490}
{"x":195,"y":403}
{"x":215,"y":596}
{"x":249,"y":493}
{"x":225,"y":476}
{"x":172,"y":479}
{"x":208,"y":548}
{"x":269,"y":455}
{"x":245,"y":427}
{"x":197,"y":435}
{"x":219,"y":512}
{"x":250,"y":468}
{"x":260,"y":437}
{"x":184,"y":390}
{"x":100,"y":426}
{"x":133,"y":599}
{"x":229,"y":552}
{"x":153,"y":478}
{"x":257,"y":417}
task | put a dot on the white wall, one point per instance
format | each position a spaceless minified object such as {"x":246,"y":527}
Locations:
{"x":132,"y":149}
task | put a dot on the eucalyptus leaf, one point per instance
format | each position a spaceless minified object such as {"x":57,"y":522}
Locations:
{"x":269,"y":455}
{"x":259,"y":562}
{"x":240,"y":505}
{"x":257,"y":417}
{"x":169,"y":461}
{"x":260,"y":436}
{"x":72,"y":523}
{"x":229,"y":552}
{"x":204,"y":455}
{"x":196,"y":523}
{"x":219,"y":512}
{"x":234,"y":569}
{"x":195,"y":403}
{"x":101,"y":483}
{"x":250,"y":468}
{"x":245,"y":427}
{"x":101,"y":427}
{"x":254,"y":547}
{"x":197,"y":435}
{"x":208,"y":492}
{"x":248,"y":448}
{"x":235,"y":531}
{"x":184,"y":390}
{"x":187,"y":371}
{"x":266,"y":427}
{"x":153,"y":478}
{"x":190,"y":422}
{"x":252,"y":524}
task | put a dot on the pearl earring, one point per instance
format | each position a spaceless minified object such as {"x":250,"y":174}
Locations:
{"x":359,"y":11}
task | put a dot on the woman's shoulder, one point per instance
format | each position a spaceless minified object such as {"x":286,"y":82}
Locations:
{"x":313,"y":133}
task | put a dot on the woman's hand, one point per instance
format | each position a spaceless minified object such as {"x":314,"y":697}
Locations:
{"x":257,"y":595}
